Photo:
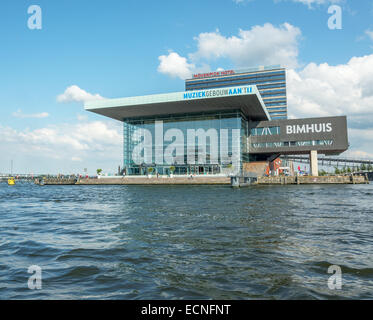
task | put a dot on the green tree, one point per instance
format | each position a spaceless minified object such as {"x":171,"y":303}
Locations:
{"x":99,"y":171}
{"x":363,"y":167}
{"x":336,"y":170}
{"x":322,"y":173}
{"x":349,"y":170}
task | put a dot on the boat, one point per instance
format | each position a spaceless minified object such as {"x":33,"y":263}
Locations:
{"x":11,"y":182}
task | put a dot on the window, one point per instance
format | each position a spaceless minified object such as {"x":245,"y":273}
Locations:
{"x":292,"y":144}
{"x":269,"y":131}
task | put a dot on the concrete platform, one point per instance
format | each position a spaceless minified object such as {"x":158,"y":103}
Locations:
{"x":207,"y":180}
{"x":351,"y":179}
{"x":197,"y":180}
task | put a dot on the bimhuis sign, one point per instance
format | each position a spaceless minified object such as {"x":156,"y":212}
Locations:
{"x":321,"y":127}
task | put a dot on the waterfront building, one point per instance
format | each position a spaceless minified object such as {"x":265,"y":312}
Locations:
{"x":270,"y":81}
{"x":223,"y":131}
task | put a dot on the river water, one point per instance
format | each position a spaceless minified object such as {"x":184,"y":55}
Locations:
{"x":186,"y":242}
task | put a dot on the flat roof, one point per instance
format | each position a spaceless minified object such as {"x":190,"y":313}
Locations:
{"x":225,"y":73}
{"x":245,"y":98}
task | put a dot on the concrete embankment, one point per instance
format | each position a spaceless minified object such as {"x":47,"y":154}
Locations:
{"x":156,"y":181}
{"x":56,"y":181}
{"x":208,"y":180}
{"x":314,"y":180}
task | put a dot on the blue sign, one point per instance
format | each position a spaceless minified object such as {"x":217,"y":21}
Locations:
{"x":217,"y":92}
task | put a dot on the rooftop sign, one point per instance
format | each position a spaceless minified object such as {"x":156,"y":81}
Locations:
{"x":245,"y":98}
{"x":212,"y":93}
{"x":213,"y":74}
{"x":230,"y":72}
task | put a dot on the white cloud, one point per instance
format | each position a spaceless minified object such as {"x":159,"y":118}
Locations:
{"x":60,"y":148}
{"x":82,"y":117}
{"x":332,"y":90}
{"x":361,"y":143}
{"x":76,"y":94}
{"x":347,"y":89}
{"x":358,"y":154}
{"x":364,"y":135}
{"x":265,"y":44}
{"x":20,"y":114}
{"x":309,"y":3}
{"x":369,"y":33}
{"x":261,"y":45}
{"x":175,"y":66}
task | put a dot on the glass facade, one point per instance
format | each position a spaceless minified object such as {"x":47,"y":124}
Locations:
{"x":270,"y":131}
{"x":271,"y":84}
{"x":183,"y":134}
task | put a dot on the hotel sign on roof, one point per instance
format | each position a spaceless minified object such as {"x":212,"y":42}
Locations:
{"x":213,"y":74}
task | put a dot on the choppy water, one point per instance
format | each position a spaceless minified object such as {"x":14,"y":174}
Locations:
{"x":186,"y":242}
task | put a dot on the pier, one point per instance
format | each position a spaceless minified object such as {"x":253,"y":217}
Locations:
{"x":140,"y":180}
{"x":56,"y":181}
{"x":18,"y":177}
{"x":297,"y":180}
{"x":207,"y":180}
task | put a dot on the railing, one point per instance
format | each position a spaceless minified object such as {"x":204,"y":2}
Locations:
{"x":330,"y":160}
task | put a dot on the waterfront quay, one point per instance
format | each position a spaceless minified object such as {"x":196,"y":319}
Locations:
{"x":207,"y":180}
{"x":139,"y":180}
{"x":283,"y":180}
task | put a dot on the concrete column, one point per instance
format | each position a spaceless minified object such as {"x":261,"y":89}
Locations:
{"x":313,"y":163}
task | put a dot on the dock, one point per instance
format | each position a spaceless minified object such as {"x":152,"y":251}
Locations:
{"x":207,"y":180}
{"x":297,"y":180}
{"x":141,"y":180}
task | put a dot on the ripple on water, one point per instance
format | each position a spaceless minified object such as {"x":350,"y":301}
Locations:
{"x":191,"y":242}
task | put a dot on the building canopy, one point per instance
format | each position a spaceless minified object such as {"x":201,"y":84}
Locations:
{"x":244,"y":98}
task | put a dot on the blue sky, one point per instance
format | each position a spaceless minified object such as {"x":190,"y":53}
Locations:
{"x":127,"y":48}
